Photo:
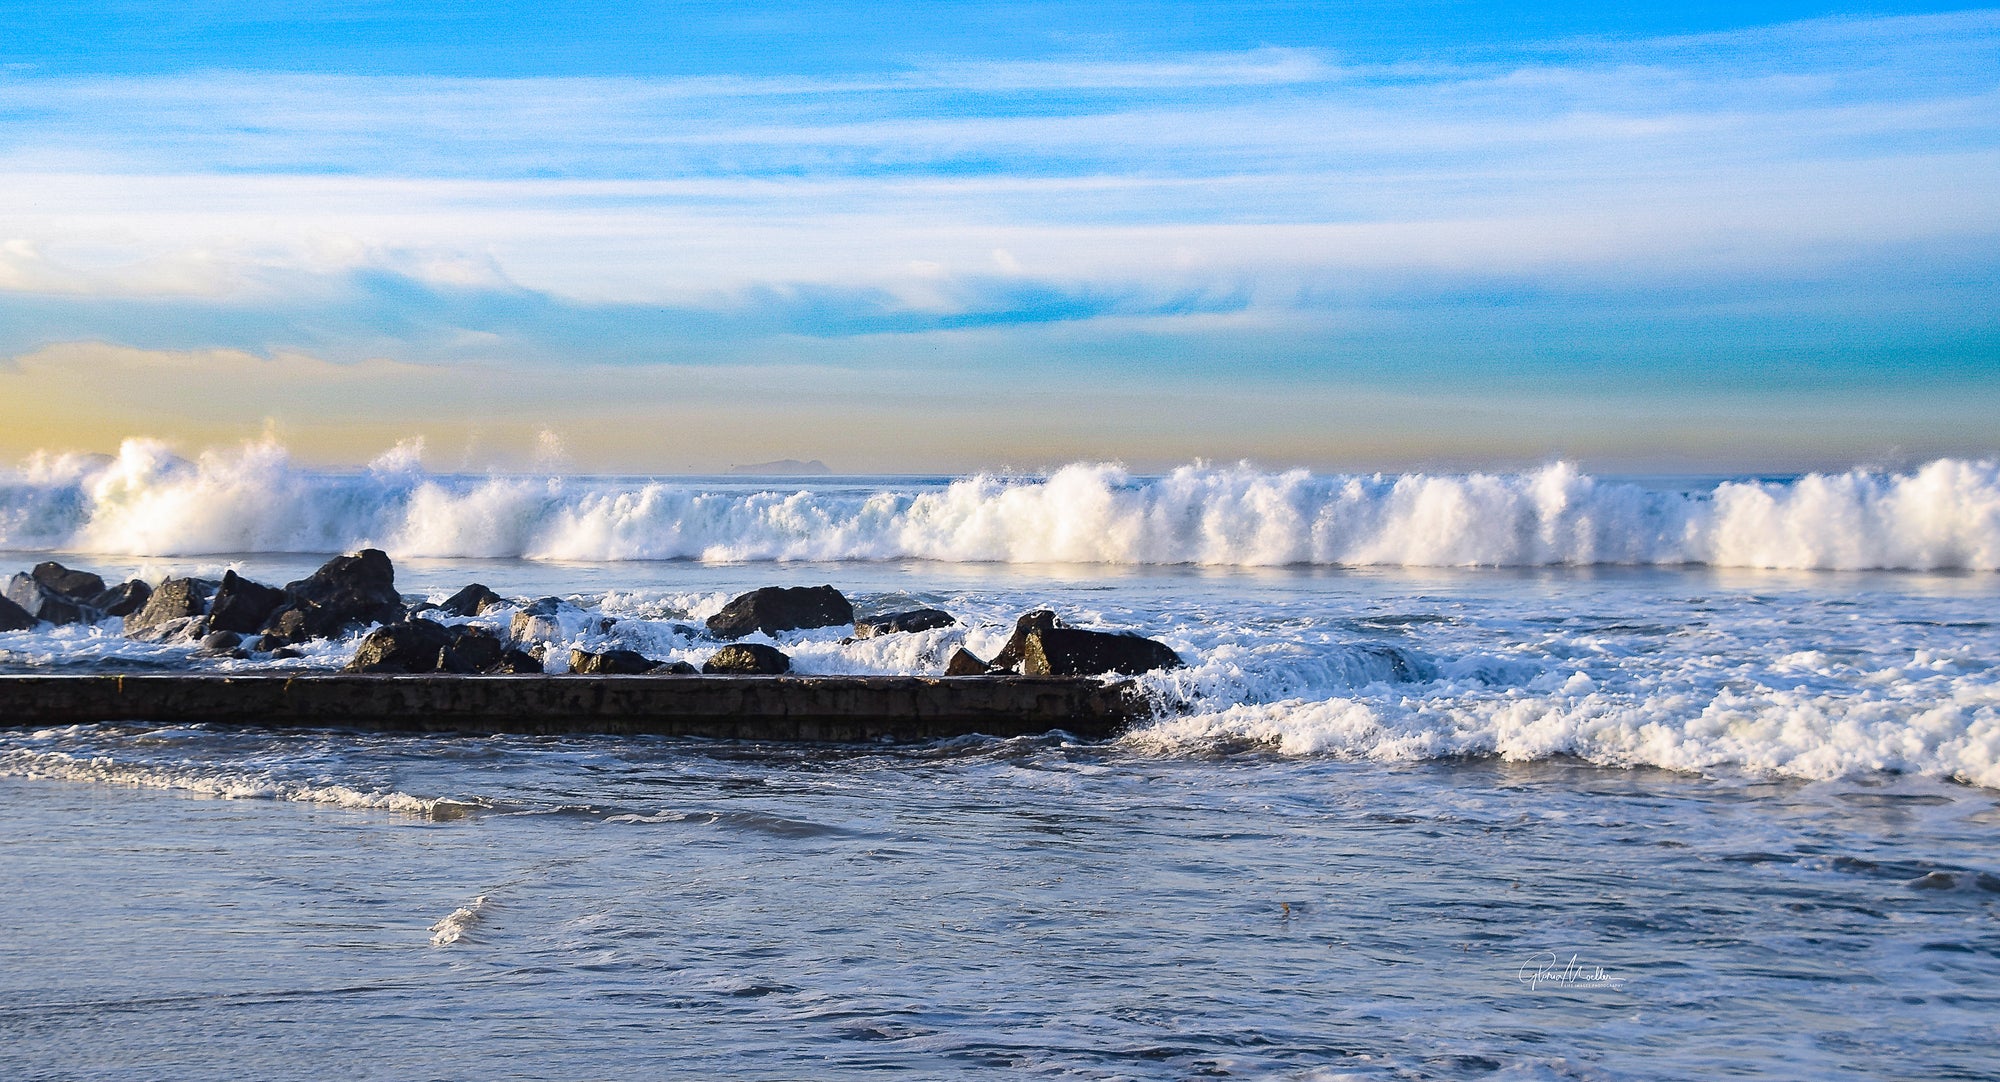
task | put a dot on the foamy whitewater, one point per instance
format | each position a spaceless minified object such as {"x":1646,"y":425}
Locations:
{"x":1448,"y":750}
{"x":148,"y":502}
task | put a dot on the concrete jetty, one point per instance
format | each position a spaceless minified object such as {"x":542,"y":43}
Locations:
{"x":842,"y":709}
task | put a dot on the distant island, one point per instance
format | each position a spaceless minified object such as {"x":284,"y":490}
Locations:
{"x":784,"y":467}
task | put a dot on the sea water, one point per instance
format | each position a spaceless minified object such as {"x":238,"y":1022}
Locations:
{"x":1531,"y":775}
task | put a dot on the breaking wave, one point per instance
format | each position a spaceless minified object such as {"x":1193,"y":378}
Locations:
{"x":147,"y":502}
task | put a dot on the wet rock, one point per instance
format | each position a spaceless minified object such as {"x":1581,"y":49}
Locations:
{"x":424,"y":646}
{"x":611,"y":663}
{"x":76,"y":585}
{"x":964,"y":663}
{"x":242,"y":605}
{"x":471,"y":601}
{"x":285,"y":653}
{"x":13,"y":617}
{"x":748,"y":658}
{"x":33,"y":597}
{"x":183,"y":629}
{"x":409,"y":646}
{"x":900,"y":622}
{"x":544,"y":606}
{"x":472,"y":649}
{"x":529,"y":627}
{"x":1041,"y":646}
{"x":123,"y":600}
{"x":176,"y":599}
{"x":781,"y":608}
{"x":221,"y":644}
{"x":348,"y":591}
{"x":518,"y":661}
{"x":1009,"y":657}
{"x":673,"y":668}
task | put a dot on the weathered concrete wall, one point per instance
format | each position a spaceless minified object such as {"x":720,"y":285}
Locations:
{"x":799,"y":708}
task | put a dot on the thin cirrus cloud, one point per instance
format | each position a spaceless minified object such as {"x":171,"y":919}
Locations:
{"x":1711,"y":207}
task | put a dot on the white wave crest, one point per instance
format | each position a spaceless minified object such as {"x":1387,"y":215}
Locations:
{"x":1934,"y":721}
{"x":147,"y":502}
{"x":453,"y":927}
{"x":228,"y":785}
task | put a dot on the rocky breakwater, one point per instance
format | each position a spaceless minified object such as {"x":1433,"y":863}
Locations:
{"x":407,"y":664}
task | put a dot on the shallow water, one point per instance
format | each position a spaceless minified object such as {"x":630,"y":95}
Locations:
{"x":641,"y":908}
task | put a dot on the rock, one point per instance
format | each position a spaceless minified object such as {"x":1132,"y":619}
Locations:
{"x":122,"y":600}
{"x":221,"y":644}
{"x":611,"y":663}
{"x":781,"y":608}
{"x":76,"y":585}
{"x":242,"y":605}
{"x":1041,"y":646}
{"x":285,"y":653}
{"x":748,"y":658}
{"x":529,"y":627}
{"x":13,"y":617}
{"x":472,"y":649}
{"x":673,"y":668}
{"x":1009,"y":657}
{"x":963,"y":663}
{"x":422,"y":646}
{"x":42,"y":603}
{"x":471,"y":601}
{"x":412,"y":646}
{"x":519,"y":661}
{"x":183,"y":629}
{"x":900,"y":622}
{"x":544,"y":606}
{"x":348,"y":591}
{"x":176,"y":599}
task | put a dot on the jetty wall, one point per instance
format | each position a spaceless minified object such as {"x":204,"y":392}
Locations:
{"x":762,"y":708}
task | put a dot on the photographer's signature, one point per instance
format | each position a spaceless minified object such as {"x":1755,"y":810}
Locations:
{"x":1551,"y":969}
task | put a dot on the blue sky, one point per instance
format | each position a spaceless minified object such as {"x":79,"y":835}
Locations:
{"x":1363,"y":235}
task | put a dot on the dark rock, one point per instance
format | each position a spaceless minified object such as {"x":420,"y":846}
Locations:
{"x":1041,"y":646}
{"x":471,"y":601}
{"x":673,"y":668}
{"x":285,"y":653}
{"x":176,"y":599}
{"x":76,"y":585}
{"x":1009,"y":657}
{"x":287,"y":626}
{"x":611,"y":663}
{"x":220,"y":644}
{"x":349,"y":591}
{"x":781,"y":608}
{"x":42,"y":603}
{"x":963,"y":663}
{"x":748,"y":658}
{"x":13,"y":617}
{"x":122,"y":600}
{"x":182,"y":629}
{"x":543,"y":606}
{"x":473,"y":649}
{"x":899,"y":622}
{"x":242,"y":605}
{"x":407,"y":646}
{"x":519,"y":661}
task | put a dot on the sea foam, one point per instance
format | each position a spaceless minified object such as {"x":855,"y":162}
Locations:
{"x":255,"y":499}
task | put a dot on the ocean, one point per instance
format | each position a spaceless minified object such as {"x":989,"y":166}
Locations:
{"x":1510,"y":775}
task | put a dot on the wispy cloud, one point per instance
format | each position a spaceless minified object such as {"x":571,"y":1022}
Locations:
{"x":1619,"y":204}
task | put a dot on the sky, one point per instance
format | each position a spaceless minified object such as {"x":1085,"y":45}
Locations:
{"x":945,"y":237}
